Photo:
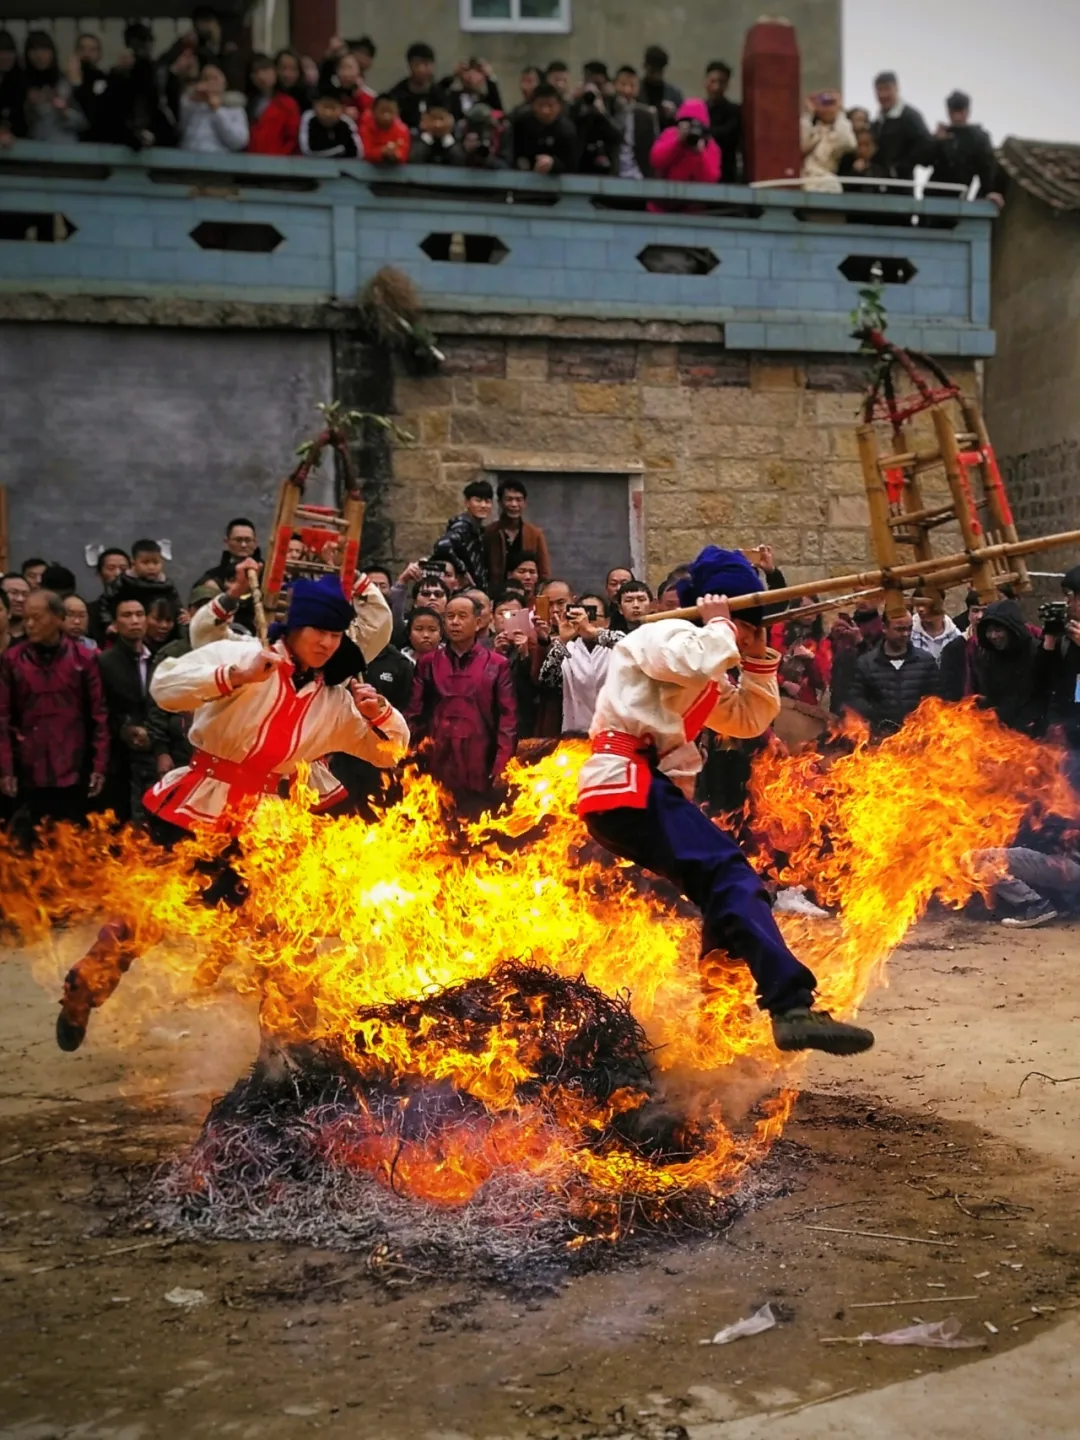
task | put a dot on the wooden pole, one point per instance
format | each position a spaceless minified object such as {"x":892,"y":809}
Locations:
{"x":997,"y":503}
{"x":947,"y":569}
{"x":981,"y":573}
{"x":878,"y":501}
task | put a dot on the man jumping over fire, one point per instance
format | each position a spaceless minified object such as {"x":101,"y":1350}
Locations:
{"x":667,"y":681}
{"x":259,"y":711}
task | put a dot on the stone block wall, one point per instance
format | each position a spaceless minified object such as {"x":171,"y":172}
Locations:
{"x":734,"y":448}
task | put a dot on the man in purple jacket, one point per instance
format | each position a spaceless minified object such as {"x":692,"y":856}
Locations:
{"x":54,"y":730}
{"x":463,"y":704}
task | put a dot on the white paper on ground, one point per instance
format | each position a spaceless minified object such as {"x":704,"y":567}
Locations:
{"x":762,"y":1319}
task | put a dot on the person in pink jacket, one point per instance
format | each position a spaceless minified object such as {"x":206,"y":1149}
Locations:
{"x":686,"y":151}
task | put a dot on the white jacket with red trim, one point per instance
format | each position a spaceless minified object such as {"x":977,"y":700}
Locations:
{"x":666,"y":682}
{"x":266,"y":728}
{"x":371,"y":631}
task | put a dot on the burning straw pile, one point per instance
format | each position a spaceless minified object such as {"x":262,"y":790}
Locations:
{"x":333,"y":1144}
{"x":420,"y":1091}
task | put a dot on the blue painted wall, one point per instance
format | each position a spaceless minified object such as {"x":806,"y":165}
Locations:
{"x":777,"y":285}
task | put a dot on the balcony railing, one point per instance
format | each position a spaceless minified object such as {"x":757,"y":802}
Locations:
{"x":777,"y":269}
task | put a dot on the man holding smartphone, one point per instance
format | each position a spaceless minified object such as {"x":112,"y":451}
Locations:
{"x":666,"y":682}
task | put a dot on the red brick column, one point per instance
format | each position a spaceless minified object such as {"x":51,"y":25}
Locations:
{"x":311,"y":23}
{"x":771,"y":101}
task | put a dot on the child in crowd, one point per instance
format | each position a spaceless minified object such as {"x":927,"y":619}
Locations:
{"x":273,"y":115}
{"x":385,"y":137}
{"x":425,"y":632}
{"x":437,"y":145}
{"x":326,"y":131}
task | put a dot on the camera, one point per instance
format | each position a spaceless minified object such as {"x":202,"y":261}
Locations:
{"x":695,"y":133}
{"x":591,"y":612}
{"x":1054,"y":615}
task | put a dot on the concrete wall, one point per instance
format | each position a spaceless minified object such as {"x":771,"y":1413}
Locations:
{"x":1031,"y":384}
{"x":616,"y":31}
{"x":113,"y":434}
{"x":775,"y":281}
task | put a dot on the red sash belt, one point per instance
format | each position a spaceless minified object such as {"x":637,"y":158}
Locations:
{"x":246,"y":779}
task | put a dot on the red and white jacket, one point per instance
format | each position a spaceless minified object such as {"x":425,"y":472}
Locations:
{"x":249,"y":739}
{"x":666,"y":682}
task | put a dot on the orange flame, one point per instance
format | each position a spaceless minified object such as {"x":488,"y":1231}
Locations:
{"x":342,"y":916}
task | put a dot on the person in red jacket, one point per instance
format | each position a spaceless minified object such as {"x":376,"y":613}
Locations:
{"x":273,"y":116}
{"x":54,"y":730}
{"x":463,"y":706}
{"x":384,"y":135}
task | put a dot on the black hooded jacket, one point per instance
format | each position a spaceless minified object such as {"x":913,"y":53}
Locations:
{"x":1005,"y":679}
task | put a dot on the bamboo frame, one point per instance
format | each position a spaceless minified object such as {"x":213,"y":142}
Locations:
{"x":946,"y":570}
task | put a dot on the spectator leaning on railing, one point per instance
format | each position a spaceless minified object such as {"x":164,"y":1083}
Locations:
{"x":327,"y":133}
{"x":213,"y":119}
{"x":825,"y":136}
{"x":543,"y":139}
{"x":686,"y":152}
{"x":384,"y":137}
{"x":963,"y":152}
{"x":636,"y":123}
{"x":903,"y":140}
{"x":273,"y":116}
{"x":52,"y":113}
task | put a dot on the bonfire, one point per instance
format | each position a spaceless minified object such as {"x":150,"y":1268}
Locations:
{"x":486,"y":1043}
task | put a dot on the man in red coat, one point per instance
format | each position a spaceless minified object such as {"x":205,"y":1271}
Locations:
{"x":54,"y":729}
{"x":463,"y":705}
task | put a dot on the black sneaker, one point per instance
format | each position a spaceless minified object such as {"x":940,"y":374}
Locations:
{"x":69,"y":1033}
{"x":1039,"y":912}
{"x":75,"y":1007}
{"x":817,"y":1030}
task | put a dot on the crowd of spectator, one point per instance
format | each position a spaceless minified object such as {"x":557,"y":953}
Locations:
{"x":490,"y":650}
{"x":203,"y":95}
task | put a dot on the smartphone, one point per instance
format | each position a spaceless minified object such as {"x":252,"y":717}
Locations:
{"x":519,"y":622}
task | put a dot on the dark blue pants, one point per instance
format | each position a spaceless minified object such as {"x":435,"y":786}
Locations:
{"x":674,"y":839}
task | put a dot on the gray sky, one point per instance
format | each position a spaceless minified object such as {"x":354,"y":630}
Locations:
{"x":1016,"y":59}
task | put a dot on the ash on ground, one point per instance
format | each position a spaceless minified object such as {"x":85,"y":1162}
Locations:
{"x":314,"y":1148}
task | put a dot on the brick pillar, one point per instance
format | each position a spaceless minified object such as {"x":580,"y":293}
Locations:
{"x":364,"y":380}
{"x":311,"y":24}
{"x":771,"y":101}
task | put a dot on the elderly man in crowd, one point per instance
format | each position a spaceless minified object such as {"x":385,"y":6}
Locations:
{"x":54,"y":734}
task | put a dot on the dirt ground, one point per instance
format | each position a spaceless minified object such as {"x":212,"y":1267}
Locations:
{"x":925,"y":1138}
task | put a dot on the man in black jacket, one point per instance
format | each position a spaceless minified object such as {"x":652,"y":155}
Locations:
{"x":418,"y":91}
{"x":125,"y":676}
{"x":893,"y":679}
{"x":1057,"y":672}
{"x":963,"y":152}
{"x":637,"y":124}
{"x":725,"y":120}
{"x":463,"y":541}
{"x":1003,"y":667}
{"x":543,"y":139}
{"x":903,"y":140}
{"x":241,"y":543}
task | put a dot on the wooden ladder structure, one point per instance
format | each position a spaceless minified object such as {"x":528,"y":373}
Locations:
{"x":899,"y":515}
{"x":330,"y":537}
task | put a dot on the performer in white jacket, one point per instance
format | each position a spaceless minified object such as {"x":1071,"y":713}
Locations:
{"x":665,"y":683}
{"x":259,"y":712}
{"x":369,"y":631}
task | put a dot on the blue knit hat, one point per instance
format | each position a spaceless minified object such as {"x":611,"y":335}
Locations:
{"x":723,"y":572}
{"x":320,"y":603}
